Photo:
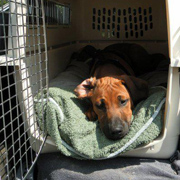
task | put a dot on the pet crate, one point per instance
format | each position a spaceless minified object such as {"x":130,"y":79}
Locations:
{"x":38,"y":39}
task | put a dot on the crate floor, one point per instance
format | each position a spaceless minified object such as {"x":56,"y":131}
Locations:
{"x":54,"y":166}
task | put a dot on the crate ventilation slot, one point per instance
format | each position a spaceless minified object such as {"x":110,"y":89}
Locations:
{"x":130,"y":22}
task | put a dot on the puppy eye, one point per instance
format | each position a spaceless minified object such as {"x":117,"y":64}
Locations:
{"x":123,"y":102}
{"x":101,"y":105}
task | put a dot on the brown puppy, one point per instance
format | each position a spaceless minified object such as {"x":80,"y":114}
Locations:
{"x":113,"y":95}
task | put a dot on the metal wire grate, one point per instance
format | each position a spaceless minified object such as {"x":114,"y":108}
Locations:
{"x":23,"y":74}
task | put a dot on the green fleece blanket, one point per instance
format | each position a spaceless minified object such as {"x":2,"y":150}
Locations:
{"x":75,"y":136}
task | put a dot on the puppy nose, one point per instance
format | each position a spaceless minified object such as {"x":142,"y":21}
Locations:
{"x":117,"y":133}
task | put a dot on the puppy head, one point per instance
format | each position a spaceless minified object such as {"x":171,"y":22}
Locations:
{"x":113,"y":99}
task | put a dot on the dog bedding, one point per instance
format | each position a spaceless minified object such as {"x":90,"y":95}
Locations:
{"x":75,"y":136}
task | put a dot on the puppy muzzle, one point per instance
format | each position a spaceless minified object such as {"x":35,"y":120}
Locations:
{"x":116,"y":129}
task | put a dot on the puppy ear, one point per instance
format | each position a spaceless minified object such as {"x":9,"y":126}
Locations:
{"x":85,"y":89}
{"x":137,"y":88}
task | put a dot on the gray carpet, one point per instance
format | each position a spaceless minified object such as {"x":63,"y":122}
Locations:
{"x":55,"y":166}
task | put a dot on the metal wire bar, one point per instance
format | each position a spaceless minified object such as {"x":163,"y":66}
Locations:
{"x":24,"y":74}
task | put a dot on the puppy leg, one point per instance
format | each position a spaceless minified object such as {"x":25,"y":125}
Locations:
{"x":91,"y":115}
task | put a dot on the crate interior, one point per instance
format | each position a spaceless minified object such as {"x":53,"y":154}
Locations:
{"x":101,"y":23}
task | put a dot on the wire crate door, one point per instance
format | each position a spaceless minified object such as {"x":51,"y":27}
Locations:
{"x":24,"y":77}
